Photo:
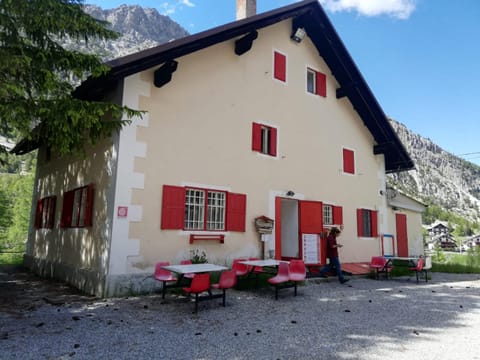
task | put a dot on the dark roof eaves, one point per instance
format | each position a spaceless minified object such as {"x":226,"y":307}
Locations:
{"x":148,"y":58}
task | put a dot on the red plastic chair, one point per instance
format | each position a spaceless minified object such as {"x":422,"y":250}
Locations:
{"x":419,"y":268}
{"x":228,"y":280}
{"x":282,"y":277}
{"x":297,"y":272}
{"x":379,"y":264}
{"x":240,"y":269}
{"x":188,"y":275}
{"x":200,"y":283}
{"x":163,"y":275}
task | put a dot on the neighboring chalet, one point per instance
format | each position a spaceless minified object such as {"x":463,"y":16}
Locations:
{"x":439,"y":234}
{"x":437,"y":228}
{"x":266,"y":117}
{"x":405,"y":216}
{"x":472,"y":242}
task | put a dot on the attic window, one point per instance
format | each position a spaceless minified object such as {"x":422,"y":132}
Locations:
{"x":316,"y":83}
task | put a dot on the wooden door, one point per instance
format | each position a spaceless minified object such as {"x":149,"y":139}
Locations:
{"x":402,"y":237}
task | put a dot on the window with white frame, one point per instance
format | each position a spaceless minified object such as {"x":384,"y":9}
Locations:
{"x":264,"y":139}
{"x":311,"y":85}
{"x":45,"y":212}
{"x":200,"y":209}
{"x":316,"y":83}
{"x":204,"y":209}
{"x":77,"y":207}
{"x":367,"y":223}
{"x":327,"y":215}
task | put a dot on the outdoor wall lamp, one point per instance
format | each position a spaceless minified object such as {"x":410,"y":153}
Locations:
{"x":290,"y":193}
{"x":298,"y":35}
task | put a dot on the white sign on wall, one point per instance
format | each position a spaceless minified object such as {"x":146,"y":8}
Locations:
{"x":311,"y":248}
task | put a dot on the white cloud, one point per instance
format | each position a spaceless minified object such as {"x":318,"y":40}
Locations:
{"x":167,"y":8}
{"x":400,"y":9}
{"x":170,"y":7}
{"x":187,"y":3}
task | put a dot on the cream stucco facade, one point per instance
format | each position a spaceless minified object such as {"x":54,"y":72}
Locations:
{"x":197,"y":132}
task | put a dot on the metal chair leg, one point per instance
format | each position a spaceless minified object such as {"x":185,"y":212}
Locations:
{"x":196,"y":303}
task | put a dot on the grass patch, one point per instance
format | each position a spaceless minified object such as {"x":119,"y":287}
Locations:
{"x":467,"y":263}
{"x":12,"y":258}
{"x":455,"y":268}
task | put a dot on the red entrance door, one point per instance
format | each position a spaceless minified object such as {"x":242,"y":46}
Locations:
{"x":308,"y":219}
{"x":402,"y":237}
{"x":311,"y":222}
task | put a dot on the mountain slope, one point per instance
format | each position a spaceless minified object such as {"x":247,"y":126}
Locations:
{"x":440,"y":178}
{"x":140,"y":28}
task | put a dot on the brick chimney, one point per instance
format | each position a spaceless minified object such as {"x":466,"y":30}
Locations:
{"x":246,"y":8}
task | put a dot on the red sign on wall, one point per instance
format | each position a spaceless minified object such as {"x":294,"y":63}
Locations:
{"x":122,"y":211}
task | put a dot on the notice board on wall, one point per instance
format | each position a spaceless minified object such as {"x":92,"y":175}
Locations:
{"x":311,"y":248}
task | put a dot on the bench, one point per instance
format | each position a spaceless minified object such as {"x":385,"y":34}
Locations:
{"x":380,"y":265}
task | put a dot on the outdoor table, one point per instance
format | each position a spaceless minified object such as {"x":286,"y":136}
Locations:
{"x":194,"y":268}
{"x":261,"y":263}
{"x":253,"y":266}
{"x":409,"y":260}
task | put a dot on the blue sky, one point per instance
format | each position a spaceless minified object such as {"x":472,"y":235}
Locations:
{"x":421,"y":58}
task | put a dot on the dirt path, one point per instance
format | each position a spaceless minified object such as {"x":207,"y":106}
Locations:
{"x":21,"y":290}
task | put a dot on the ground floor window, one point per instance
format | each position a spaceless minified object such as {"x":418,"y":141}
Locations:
{"x":45,"y":212}
{"x":332,"y":215}
{"x":204,"y":210}
{"x":191,"y":208}
{"x":77,"y":207}
{"x":367,"y":223}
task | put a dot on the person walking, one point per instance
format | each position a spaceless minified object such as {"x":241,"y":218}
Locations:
{"x":332,"y":254}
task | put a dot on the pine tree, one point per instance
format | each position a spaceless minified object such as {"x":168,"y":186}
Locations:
{"x":38,"y":76}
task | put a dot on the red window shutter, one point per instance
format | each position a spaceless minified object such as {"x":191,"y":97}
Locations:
{"x":173,"y":207}
{"x":67,"y":209}
{"x":348,"y":161}
{"x":359,"y":222}
{"x":311,"y":217}
{"x":273,"y":142}
{"x":236,"y":212}
{"x":38,"y":214}
{"x":256,"y":137}
{"x":89,"y":206}
{"x":374,"y":217}
{"x":321,"y":82}
{"x":280,"y":66}
{"x":51,"y":211}
{"x":337,"y":215}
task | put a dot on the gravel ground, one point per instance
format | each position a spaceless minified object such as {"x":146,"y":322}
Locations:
{"x":363,"y":319}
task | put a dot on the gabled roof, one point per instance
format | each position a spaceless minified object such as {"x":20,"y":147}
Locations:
{"x":307,"y":14}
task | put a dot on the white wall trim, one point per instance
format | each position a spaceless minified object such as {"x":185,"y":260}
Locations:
{"x":123,"y":248}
